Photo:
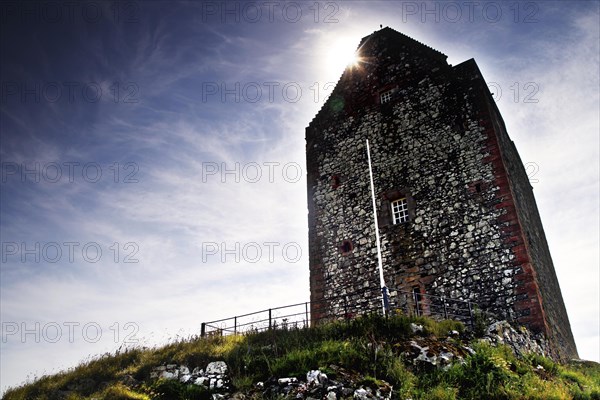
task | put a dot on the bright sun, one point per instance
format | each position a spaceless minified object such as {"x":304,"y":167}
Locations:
{"x":341,"y":55}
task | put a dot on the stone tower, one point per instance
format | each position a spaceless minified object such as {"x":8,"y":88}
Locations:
{"x":456,"y":213}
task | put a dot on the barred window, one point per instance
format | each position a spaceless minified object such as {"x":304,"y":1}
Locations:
{"x":400,"y":210}
{"x":386,"y":96}
{"x":397,"y":208}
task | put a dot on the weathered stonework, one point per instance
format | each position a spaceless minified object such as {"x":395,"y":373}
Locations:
{"x":474,"y":232}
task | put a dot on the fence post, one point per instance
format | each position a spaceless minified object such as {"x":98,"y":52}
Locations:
{"x":386,"y":301}
{"x":445,"y":311}
{"x":269,"y":318}
{"x":306,"y":311}
{"x":471,"y":315}
{"x":416,"y":302}
{"x":235,"y":325}
{"x":345,"y":308}
{"x":203,"y":330}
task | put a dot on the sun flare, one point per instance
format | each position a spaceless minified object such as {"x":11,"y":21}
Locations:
{"x":342,"y":55}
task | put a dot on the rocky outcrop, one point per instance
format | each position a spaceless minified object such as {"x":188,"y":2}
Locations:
{"x":421,"y":353}
{"x":317,"y":385}
{"x":214,"y":377}
{"x":520,"y":339}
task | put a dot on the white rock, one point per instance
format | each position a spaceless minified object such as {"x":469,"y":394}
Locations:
{"x":216,"y":368}
{"x":183,"y":370}
{"x":167,"y":375}
{"x":360,"y":394}
{"x":423,"y":357}
{"x":416,"y":328}
{"x":446,"y":357}
{"x":202,"y":381}
{"x":322,"y":378}
{"x":286,"y":381}
{"x":312,"y":376}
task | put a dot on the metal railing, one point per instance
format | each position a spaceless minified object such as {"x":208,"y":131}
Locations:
{"x":303,"y":315}
{"x":435,"y":306}
{"x":292,"y":316}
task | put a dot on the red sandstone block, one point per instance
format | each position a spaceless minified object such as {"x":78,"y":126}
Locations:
{"x":511,"y":219}
{"x":512,"y":232}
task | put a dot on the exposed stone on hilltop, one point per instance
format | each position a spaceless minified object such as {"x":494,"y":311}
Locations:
{"x":422,"y":352}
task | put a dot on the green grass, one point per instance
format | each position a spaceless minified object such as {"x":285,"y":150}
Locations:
{"x":370,"y":345}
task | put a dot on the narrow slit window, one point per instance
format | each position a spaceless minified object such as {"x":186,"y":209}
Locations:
{"x":346,"y":247}
{"x":335,"y":181}
{"x":400,"y":210}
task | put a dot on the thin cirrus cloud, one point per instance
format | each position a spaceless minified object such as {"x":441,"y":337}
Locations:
{"x":175,"y":130}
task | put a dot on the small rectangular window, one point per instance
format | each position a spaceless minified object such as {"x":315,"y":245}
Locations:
{"x":386,"y":96}
{"x":400,"y":210}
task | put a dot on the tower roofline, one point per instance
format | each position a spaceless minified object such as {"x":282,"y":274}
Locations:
{"x":392,"y":32}
{"x":415,"y":47}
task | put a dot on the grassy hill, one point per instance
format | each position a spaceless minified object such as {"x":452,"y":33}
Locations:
{"x":369,"y":357}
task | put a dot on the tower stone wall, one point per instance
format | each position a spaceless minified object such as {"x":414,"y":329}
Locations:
{"x":437,"y":140}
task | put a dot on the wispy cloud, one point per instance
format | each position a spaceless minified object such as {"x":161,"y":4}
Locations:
{"x":171,"y":140}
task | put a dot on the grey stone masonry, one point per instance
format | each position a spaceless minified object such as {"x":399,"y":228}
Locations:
{"x":439,"y":147}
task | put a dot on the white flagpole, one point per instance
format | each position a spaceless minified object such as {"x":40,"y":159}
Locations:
{"x":379,"y":261}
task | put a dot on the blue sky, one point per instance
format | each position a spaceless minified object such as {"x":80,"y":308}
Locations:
{"x":134,"y":117}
